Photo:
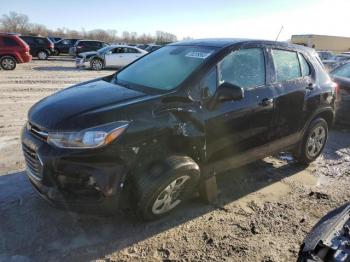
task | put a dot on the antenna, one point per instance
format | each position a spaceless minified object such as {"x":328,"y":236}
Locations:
{"x":279,"y":33}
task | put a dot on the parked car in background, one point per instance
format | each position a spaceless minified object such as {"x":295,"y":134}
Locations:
{"x":63,"y":46}
{"x":142,"y":46}
{"x":336,"y":61}
{"x":176,"y":116}
{"x":40,"y":47}
{"x":82,"y":46}
{"x":152,"y":48}
{"x":341,"y":75}
{"x":13,"y":50}
{"x":325,"y":55}
{"x":109,"y":56}
{"x":55,"y":39}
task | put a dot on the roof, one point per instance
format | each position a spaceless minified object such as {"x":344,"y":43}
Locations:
{"x":214,"y":42}
{"x":224,"y":42}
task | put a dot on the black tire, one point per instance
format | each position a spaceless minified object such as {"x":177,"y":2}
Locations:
{"x":307,"y":153}
{"x":57,"y":52}
{"x":42,"y":55}
{"x":8,"y":63}
{"x":151,"y":184}
{"x":96,"y":64}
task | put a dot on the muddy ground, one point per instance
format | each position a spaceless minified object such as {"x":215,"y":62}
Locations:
{"x":263,"y":213}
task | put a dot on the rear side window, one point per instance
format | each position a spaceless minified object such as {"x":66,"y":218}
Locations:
{"x":286,"y":65}
{"x":305,"y":68}
{"x":41,"y":41}
{"x":28,"y":40}
{"x":244,"y":68}
{"x":9,"y":42}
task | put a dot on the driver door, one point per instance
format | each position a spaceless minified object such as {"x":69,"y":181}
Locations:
{"x":233,"y":127}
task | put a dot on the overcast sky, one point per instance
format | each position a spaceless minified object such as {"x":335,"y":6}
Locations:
{"x":198,"y":19}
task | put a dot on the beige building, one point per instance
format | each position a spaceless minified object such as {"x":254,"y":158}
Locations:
{"x":323,"y":42}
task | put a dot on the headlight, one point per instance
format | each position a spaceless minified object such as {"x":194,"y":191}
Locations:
{"x":88,"y":138}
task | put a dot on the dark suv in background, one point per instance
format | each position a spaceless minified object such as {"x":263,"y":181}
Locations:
{"x":173,"y":118}
{"x":86,"y":46}
{"x":40,"y":47}
{"x":63,"y":46}
{"x":13,"y":50}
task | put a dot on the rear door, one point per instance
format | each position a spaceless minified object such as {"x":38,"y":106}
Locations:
{"x":292,"y":82}
{"x":234,"y":127}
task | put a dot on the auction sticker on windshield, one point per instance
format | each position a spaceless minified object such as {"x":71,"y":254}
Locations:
{"x":201,"y":55}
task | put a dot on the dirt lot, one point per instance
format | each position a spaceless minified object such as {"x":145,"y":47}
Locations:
{"x":263,"y":213}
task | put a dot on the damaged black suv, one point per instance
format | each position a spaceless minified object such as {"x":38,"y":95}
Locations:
{"x":173,"y":118}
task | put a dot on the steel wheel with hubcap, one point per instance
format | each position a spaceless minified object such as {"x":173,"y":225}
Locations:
{"x":316,"y":141}
{"x":168,"y":199}
{"x":8,"y":63}
{"x":165,"y":186}
{"x":313,"y":142}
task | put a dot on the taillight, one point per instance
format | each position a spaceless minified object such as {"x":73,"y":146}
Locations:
{"x":51,"y":45}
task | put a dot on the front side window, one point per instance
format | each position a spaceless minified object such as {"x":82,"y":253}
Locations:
{"x":286,"y":65}
{"x":165,"y":68}
{"x":244,"y":68}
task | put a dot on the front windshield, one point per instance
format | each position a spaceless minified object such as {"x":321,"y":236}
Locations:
{"x":343,"y":71}
{"x":165,"y":68}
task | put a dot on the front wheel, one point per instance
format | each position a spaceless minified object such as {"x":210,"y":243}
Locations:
{"x":313,"y":142}
{"x":8,"y":63}
{"x":166,"y":186}
{"x":96,"y":64}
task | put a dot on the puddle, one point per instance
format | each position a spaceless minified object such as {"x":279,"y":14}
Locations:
{"x":273,"y":191}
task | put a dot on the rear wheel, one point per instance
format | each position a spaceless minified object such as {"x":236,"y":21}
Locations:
{"x":8,"y":63}
{"x":96,"y":64}
{"x":43,"y":55}
{"x":166,"y":186}
{"x":314,"y":141}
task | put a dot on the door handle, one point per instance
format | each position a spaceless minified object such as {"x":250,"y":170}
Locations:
{"x":266,"y":102}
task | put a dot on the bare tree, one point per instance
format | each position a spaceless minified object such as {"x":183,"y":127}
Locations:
{"x":14,"y":22}
{"x":19,"y":23}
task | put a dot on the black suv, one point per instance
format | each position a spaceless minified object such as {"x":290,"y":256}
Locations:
{"x":175,"y":117}
{"x":82,"y":46}
{"x":40,"y":47}
{"x":63,"y":46}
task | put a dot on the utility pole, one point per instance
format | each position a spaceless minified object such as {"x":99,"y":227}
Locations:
{"x":279,"y":33}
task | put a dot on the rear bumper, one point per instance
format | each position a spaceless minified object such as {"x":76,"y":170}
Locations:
{"x":24,"y":58}
{"x":78,"y":181}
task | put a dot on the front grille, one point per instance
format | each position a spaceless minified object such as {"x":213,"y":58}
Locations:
{"x":32,"y":161}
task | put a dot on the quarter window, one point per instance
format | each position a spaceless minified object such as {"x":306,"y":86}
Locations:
{"x":286,"y":65}
{"x":9,"y":42}
{"x":244,"y":68}
{"x":305,"y":68}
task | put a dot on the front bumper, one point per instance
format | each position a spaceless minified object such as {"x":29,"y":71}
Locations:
{"x":78,"y":180}
{"x":82,"y":63}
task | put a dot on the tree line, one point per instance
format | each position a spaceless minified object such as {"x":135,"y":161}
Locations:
{"x":19,"y":23}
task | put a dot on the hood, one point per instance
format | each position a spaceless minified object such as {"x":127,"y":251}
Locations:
{"x":88,"y":54}
{"x":82,"y":106}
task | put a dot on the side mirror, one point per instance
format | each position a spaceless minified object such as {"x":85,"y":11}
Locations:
{"x":229,"y":92}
